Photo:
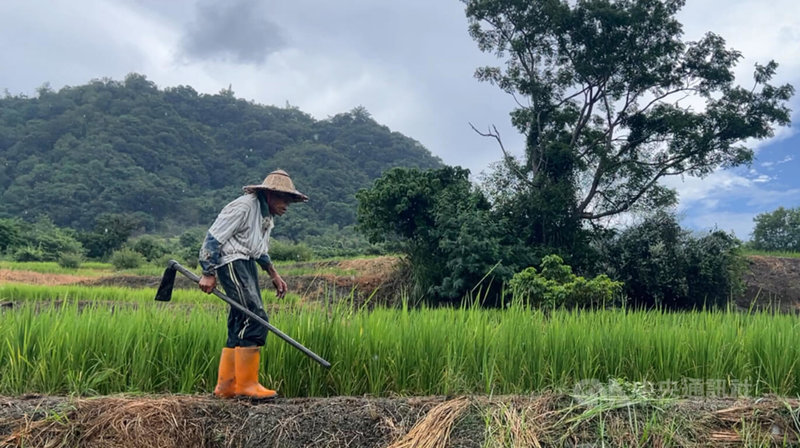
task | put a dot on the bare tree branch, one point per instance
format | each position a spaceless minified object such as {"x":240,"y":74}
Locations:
{"x":507,"y":158}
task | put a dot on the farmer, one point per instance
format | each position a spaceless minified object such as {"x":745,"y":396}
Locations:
{"x":238,"y":239}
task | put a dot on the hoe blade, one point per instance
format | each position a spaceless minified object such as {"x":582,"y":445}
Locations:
{"x":164,"y":293}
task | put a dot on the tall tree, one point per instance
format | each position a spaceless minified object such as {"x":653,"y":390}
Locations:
{"x":612,"y":100}
{"x":777,"y":230}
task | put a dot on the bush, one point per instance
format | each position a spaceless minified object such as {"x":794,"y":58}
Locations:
{"x":70,"y":260}
{"x":454,"y":241}
{"x":50,"y":241}
{"x":556,"y":286}
{"x":279,"y":251}
{"x":150,"y":247}
{"x":663,"y":265}
{"x":29,"y":253}
{"x":10,"y":230}
{"x":126,"y":259}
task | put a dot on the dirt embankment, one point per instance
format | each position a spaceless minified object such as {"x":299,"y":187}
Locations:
{"x":771,"y":282}
{"x":370,"y":280}
{"x":464,"y":422}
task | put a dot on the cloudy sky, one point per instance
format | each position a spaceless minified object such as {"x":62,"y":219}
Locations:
{"x":410,"y":63}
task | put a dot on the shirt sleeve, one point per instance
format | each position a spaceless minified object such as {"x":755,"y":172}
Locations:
{"x":225,"y":226}
{"x":264,"y":261}
{"x":209,"y":255}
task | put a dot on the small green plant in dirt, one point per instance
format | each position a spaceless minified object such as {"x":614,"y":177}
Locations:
{"x":556,"y":286}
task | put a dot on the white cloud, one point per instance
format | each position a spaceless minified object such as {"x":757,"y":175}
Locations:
{"x":409,"y":63}
{"x":694,"y":189}
{"x":741,"y":224}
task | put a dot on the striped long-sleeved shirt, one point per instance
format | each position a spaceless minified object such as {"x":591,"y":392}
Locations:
{"x":241,"y":231}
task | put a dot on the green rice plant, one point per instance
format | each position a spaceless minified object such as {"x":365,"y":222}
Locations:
{"x":13,"y":292}
{"x":98,"y":349}
{"x":86,"y":269}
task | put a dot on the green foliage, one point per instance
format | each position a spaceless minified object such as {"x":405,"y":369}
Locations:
{"x":69,"y":260}
{"x":778,"y":230}
{"x":111,"y":231}
{"x":444,"y":226}
{"x":126,"y":259}
{"x":600,"y":85}
{"x":69,"y":349}
{"x":345,"y":242}
{"x":663,"y":265}
{"x":150,"y":247}
{"x":556,"y":286}
{"x":42,"y":240}
{"x":173,"y":158}
{"x":29,"y":253}
{"x":282,"y":251}
{"x":10,"y":230}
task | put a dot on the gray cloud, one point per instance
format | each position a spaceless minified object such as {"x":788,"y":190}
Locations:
{"x":237,"y":30}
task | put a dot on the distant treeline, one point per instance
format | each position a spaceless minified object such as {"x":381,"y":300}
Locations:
{"x":171,"y":158}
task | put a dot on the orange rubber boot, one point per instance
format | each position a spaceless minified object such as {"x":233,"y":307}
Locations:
{"x":226,"y":378}
{"x":247,"y":366}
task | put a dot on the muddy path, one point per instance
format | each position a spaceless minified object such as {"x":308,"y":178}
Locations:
{"x":405,"y":422}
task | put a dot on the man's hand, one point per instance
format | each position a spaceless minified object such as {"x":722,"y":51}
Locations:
{"x":208,"y":283}
{"x":280,"y":285}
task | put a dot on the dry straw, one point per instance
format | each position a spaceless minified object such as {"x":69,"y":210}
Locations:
{"x":433,"y":431}
{"x":117,"y":422}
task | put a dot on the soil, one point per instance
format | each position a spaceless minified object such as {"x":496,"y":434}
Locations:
{"x":771,"y":282}
{"x":36,"y":278}
{"x":373,"y":281}
{"x":475,"y":421}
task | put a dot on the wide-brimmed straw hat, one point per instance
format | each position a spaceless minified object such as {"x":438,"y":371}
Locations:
{"x":280,"y":182}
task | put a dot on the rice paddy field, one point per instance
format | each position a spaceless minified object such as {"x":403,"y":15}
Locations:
{"x":400,"y":376}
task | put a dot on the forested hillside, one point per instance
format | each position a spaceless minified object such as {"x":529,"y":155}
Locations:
{"x":170,"y":158}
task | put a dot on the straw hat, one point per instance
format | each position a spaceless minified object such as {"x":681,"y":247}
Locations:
{"x":279,"y":181}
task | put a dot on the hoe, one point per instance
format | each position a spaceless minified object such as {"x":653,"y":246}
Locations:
{"x":164,"y":294}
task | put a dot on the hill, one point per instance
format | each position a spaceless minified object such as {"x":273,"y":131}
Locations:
{"x":174,"y":157}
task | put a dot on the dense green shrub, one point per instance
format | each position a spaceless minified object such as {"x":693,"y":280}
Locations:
{"x":52,"y":241}
{"x":556,"y":286}
{"x":280,"y":251}
{"x":446,"y":228}
{"x":126,"y":259}
{"x":29,"y":253}
{"x":150,"y":247}
{"x":664,"y":265}
{"x":70,"y":260}
{"x":10,"y":230}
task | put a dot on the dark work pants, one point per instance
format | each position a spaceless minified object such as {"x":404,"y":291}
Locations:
{"x":240,"y":280}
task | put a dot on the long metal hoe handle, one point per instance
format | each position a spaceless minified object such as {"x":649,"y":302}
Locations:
{"x":192,"y":276}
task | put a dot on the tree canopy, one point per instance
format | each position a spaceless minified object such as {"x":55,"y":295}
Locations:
{"x":777,"y":230}
{"x":442,"y":223}
{"x":611,"y":101}
{"x":173,"y":157}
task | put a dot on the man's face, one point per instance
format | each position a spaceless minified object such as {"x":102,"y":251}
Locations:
{"x":277,"y":204}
